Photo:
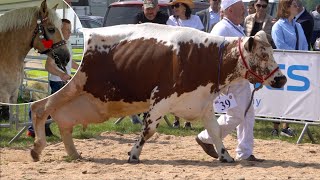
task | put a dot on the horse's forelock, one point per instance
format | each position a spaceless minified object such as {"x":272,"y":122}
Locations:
{"x":54,"y":18}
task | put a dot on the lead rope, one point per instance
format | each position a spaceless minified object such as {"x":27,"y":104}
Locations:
{"x":251,"y":99}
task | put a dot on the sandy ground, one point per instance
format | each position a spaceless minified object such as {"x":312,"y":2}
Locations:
{"x":163,"y":157}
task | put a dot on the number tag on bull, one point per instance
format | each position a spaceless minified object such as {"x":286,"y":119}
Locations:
{"x":224,"y":102}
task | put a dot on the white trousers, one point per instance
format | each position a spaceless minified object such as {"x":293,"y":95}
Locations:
{"x":234,"y":118}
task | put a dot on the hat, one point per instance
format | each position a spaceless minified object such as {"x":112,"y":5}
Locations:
{"x":150,"y":3}
{"x":227,"y":3}
{"x":187,"y":2}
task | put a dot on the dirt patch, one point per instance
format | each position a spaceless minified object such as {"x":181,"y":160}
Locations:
{"x":163,"y":157}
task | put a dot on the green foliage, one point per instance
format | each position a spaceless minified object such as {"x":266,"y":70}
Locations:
{"x":310,"y":5}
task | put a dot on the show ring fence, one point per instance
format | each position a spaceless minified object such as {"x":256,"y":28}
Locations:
{"x":298,"y":102}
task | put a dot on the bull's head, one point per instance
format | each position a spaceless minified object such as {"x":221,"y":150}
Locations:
{"x":257,"y":61}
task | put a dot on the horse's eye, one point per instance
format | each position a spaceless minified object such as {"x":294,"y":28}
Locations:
{"x":51,"y":30}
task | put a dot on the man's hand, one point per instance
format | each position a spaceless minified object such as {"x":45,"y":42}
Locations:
{"x":65,"y":77}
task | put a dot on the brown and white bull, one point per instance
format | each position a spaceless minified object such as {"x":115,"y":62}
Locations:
{"x":129,"y":69}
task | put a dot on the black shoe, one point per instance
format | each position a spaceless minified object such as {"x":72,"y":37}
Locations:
{"x":49,"y":132}
{"x":176,"y":124}
{"x":287,"y":132}
{"x":275,"y":132}
{"x":187,"y":125}
{"x":208,"y":148}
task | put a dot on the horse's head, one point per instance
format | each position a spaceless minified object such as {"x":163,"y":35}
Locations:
{"x":257,"y":62}
{"x":47,"y":37}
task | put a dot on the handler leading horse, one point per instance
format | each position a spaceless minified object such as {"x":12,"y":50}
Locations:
{"x":21,"y":30}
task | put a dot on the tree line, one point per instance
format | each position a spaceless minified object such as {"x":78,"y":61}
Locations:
{"x":310,"y":5}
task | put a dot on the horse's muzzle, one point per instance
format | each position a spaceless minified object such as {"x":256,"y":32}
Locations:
{"x":279,"y":82}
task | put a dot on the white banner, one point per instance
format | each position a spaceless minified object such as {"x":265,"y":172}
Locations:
{"x":300,"y":97}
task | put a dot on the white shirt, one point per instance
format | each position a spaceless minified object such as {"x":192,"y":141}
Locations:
{"x":226,"y":28}
{"x":68,"y":67}
{"x":193,"y":22}
{"x":298,"y":15}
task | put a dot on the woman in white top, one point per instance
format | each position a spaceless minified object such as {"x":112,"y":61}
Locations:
{"x":182,"y":15}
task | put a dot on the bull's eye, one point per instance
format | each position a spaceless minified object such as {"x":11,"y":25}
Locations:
{"x":51,"y":30}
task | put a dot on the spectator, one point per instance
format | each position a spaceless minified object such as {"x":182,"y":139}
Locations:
{"x":230,"y":26}
{"x":287,"y":34}
{"x":316,"y":28}
{"x":57,"y":78}
{"x":151,"y":13}
{"x":4,"y":112}
{"x":306,"y":20}
{"x":209,"y":17}
{"x":182,"y":15}
{"x":251,"y":9}
{"x":259,"y":20}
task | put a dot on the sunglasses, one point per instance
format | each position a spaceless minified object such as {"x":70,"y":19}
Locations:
{"x":262,"y":6}
{"x":175,"y":5}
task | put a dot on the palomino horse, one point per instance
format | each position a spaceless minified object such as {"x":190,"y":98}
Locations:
{"x":158,"y":69}
{"x":21,"y":30}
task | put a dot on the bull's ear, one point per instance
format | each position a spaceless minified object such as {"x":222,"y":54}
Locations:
{"x":44,"y":9}
{"x":249,"y":44}
{"x":55,"y":7}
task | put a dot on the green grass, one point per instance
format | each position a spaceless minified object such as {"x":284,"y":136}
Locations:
{"x":262,"y":131}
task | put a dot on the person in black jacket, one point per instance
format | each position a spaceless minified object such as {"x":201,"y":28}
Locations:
{"x":210,"y":16}
{"x":151,"y":13}
{"x":306,"y":21}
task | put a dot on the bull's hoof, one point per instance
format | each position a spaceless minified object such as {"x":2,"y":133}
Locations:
{"x":133,"y":160}
{"x":34,"y":155}
{"x":226,"y":160}
{"x":75,"y":156}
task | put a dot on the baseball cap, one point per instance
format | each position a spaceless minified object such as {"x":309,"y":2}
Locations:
{"x":150,"y":3}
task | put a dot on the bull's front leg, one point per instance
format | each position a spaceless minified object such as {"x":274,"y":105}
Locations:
{"x":150,"y":124}
{"x":212,"y":126}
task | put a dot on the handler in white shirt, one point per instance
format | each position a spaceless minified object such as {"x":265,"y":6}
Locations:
{"x":58,"y":78}
{"x":229,"y":26}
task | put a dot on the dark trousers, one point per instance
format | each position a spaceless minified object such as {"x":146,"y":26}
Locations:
{"x":55,"y":86}
{"x":315,"y":35}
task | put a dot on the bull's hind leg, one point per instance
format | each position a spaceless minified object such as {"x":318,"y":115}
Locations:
{"x":150,"y":124}
{"x":66,"y":135}
{"x":212,"y":126}
{"x":39,"y":118}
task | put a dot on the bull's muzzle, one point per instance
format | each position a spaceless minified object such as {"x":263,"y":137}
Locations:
{"x":279,"y":82}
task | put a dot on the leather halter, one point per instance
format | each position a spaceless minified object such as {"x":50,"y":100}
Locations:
{"x":261,"y":79}
{"x":42,"y":35}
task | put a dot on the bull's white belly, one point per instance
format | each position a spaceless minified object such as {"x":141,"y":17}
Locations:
{"x":190,"y":105}
{"x":85,"y":109}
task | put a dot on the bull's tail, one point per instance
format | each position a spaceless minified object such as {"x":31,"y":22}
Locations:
{"x":39,"y":117}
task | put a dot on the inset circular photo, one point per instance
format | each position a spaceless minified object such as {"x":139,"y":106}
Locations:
{"x":41,"y":48}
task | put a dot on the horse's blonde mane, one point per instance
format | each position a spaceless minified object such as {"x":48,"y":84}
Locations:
{"x":20,"y":18}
